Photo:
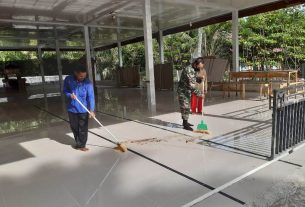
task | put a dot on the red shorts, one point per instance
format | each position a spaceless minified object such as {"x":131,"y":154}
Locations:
{"x":196,"y":103}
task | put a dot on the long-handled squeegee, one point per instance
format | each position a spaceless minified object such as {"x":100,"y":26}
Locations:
{"x":120,"y":146}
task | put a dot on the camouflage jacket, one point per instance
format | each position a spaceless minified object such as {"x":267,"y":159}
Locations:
{"x":187,"y":83}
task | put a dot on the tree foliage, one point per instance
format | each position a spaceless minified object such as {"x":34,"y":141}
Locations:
{"x":106,"y":63}
{"x":178,"y":48}
{"x":273,"y":39}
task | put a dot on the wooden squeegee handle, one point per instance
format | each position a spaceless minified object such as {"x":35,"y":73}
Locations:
{"x":203,"y":96}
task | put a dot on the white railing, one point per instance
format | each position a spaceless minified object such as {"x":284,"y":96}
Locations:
{"x":35,"y":80}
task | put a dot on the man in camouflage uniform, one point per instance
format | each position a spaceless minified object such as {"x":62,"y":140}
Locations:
{"x":186,"y":86}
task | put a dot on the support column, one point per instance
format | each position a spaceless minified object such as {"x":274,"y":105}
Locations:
{"x":120,"y":55}
{"x":149,"y":59}
{"x":93,"y":58}
{"x":41,"y":68}
{"x":96,"y":74}
{"x":59,"y":65}
{"x":88,"y":53}
{"x":235,"y":40}
{"x":161,"y":47}
{"x":199,"y":43}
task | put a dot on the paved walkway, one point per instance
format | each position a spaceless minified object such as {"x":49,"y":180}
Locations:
{"x":165,"y":166}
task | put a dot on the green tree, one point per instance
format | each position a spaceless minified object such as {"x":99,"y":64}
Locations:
{"x":178,"y":48}
{"x":106,"y":62}
{"x":273,"y":39}
{"x":217,"y":40}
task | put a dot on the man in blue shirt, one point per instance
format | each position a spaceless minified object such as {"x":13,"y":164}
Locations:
{"x":79,"y":86}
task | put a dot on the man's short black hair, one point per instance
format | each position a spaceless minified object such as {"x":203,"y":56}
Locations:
{"x":80,"y":69}
{"x":81,"y":65}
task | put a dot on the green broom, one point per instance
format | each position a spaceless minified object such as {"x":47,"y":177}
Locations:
{"x":202,"y":127}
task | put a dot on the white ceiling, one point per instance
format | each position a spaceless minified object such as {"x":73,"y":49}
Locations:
{"x":111,"y":19}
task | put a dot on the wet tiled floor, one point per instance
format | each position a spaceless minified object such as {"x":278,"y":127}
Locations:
{"x":165,"y":166}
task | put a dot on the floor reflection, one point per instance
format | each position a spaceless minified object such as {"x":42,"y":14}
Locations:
{"x":18,"y":113}
{"x":133,"y":103}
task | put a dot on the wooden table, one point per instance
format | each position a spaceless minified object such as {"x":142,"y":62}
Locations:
{"x":262,"y":78}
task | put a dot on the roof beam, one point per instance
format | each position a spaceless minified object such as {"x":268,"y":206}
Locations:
{"x":126,"y":15}
{"x":43,"y":49}
{"x":53,"y":23}
{"x":269,"y":7}
{"x":115,"y":27}
{"x":23,"y":38}
{"x":57,"y":23}
{"x":6,"y":37}
{"x":202,"y":3}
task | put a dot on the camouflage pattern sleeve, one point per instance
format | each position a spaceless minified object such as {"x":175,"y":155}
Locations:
{"x":192,"y":77}
{"x":197,"y":92}
{"x":188,"y":81}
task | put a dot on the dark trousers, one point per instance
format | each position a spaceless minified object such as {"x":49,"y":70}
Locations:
{"x":79,"y":127}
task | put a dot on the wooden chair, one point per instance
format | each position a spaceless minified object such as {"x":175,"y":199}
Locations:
{"x":215,"y":68}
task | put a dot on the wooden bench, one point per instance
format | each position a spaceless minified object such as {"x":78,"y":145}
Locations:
{"x":263,"y":78}
{"x":264,"y":88}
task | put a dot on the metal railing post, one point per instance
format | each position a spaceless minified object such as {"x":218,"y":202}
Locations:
{"x":274,"y":119}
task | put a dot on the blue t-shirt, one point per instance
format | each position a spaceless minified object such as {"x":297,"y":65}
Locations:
{"x":83,"y":91}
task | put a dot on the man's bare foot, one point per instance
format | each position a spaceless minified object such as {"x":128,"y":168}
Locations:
{"x":84,"y":149}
